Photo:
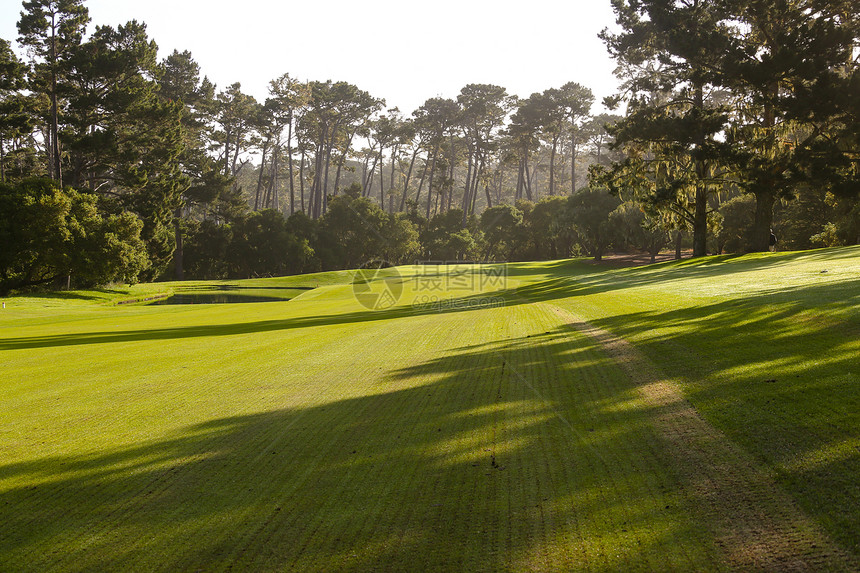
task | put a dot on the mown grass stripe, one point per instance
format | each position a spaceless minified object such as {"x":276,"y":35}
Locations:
{"x":189,"y":404}
{"x":755,"y":523}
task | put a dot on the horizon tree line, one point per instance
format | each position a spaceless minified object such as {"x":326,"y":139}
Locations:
{"x":727,"y":101}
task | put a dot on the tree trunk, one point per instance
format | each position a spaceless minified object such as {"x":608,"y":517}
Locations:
{"x":317,"y":191}
{"x":518,"y":194}
{"x":260,"y":177}
{"x":227,"y":136}
{"x":364,"y":165}
{"x":56,"y":170}
{"x":370,"y":176}
{"x":394,"y":152}
{"x":700,"y":216}
{"x":179,"y":252}
{"x":302,"y":180}
{"x":236,"y":149}
{"x":449,"y":189}
{"x":327,"y":165}
{"x":432,"y":172}
{"x":290,"y":161}
{"x":765,"y":192}
{"x":678,"y":237}
{"x":760,"y":239}
{"x":312,"y":194}
{"x":408,"y":176}
{"x":479,"y":170}
{"x":700,"y":222}
{"x":467,"y":189}
{"x":381,"y":180}
{"x":2,"y":162}
{"x":343,"y":160}
{"x":573,"y":163}
{"x":528,"y":179}
{"x":276,"y":205}
{"x":421,"y":181}
{"x":552,"y":166}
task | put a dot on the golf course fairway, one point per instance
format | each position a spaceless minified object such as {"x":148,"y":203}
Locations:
{"x":556,"y":416}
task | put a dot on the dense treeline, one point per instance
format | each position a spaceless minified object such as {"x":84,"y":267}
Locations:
{"x":741,"y":120}
{"x":752,"y":97}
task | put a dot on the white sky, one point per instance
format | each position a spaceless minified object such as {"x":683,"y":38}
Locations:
{"x":403,"y":51}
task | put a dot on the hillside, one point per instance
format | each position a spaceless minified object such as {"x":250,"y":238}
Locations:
{"x":691,"y":415}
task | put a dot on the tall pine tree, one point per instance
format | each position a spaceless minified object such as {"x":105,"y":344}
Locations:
{"x":51,"y":30}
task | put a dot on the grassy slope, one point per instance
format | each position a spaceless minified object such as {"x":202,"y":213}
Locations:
{"x":318,"y":434}
{"x":768,"y":347}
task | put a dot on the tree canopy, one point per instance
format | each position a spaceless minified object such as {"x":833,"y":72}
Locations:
{"x":724,"y":99}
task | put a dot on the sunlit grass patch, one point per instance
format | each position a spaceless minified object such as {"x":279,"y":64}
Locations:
{"x":318,"y":434}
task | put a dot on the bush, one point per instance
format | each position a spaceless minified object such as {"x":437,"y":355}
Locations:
{"x":738,"y":219}
{"x":47,"y":233}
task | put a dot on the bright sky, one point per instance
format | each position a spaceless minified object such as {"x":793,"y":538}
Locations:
{"x":405,"y":51}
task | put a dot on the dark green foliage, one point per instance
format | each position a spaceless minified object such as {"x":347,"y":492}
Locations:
{"x":11,"y":69}
{"x":124,"y":140}
{"x":758,"y":94}
{"x":814,"y":218}
{"x":817,"y":218}
{"x":636,"y":230}
{"x":793,"y":72}
{"x":262,"y":246}
{"x":355,"y":230}
{"x":52,"y":30}
{"x":52,"y":27}
{"x":15,"y":108}
{"x":728,"y":96}
{"x":738,"y":220}
{"x":797,"y":221}
{"x":544,"y":234}
{"x":445,"y":239}
{"x":47,"y":233}
{"x":205,"y":252}
{"x":675,"y":117}
{"x":400,"y":245}
{"x":351,"y":233}
{"x":500,"y":227}
{"x":587,"y":214}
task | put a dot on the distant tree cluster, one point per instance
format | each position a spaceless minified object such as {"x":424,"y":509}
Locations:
{"x":355,"y":229}
{"x":741,"y":117}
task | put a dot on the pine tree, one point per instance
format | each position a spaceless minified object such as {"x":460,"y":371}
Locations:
{"x":14,"y":112}
{"x":52,"y":29}
{"x":792,"y":69}
{"x":669,"y":54}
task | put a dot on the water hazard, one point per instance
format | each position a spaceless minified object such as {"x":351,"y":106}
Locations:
{"x":230,"y":294}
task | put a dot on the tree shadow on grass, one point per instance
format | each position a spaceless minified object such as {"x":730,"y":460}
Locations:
{"x":459,"y":304}
{"x":779,"y":378}
{"x":88,"y":295}
{"x":844,"y":293}
{"x":776,"y":369}
{"x":524,"y":454}
{"x":574,"y":278}
{"x":520,"y":454}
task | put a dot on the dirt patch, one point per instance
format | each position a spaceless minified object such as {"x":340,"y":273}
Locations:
{"x":757,"y":525}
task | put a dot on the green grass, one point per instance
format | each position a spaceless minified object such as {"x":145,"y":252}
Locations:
{"x":316,"y":434}
{"x":768,"y":347}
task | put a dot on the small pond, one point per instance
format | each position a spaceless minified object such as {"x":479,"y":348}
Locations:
{"x":228,"y":294}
